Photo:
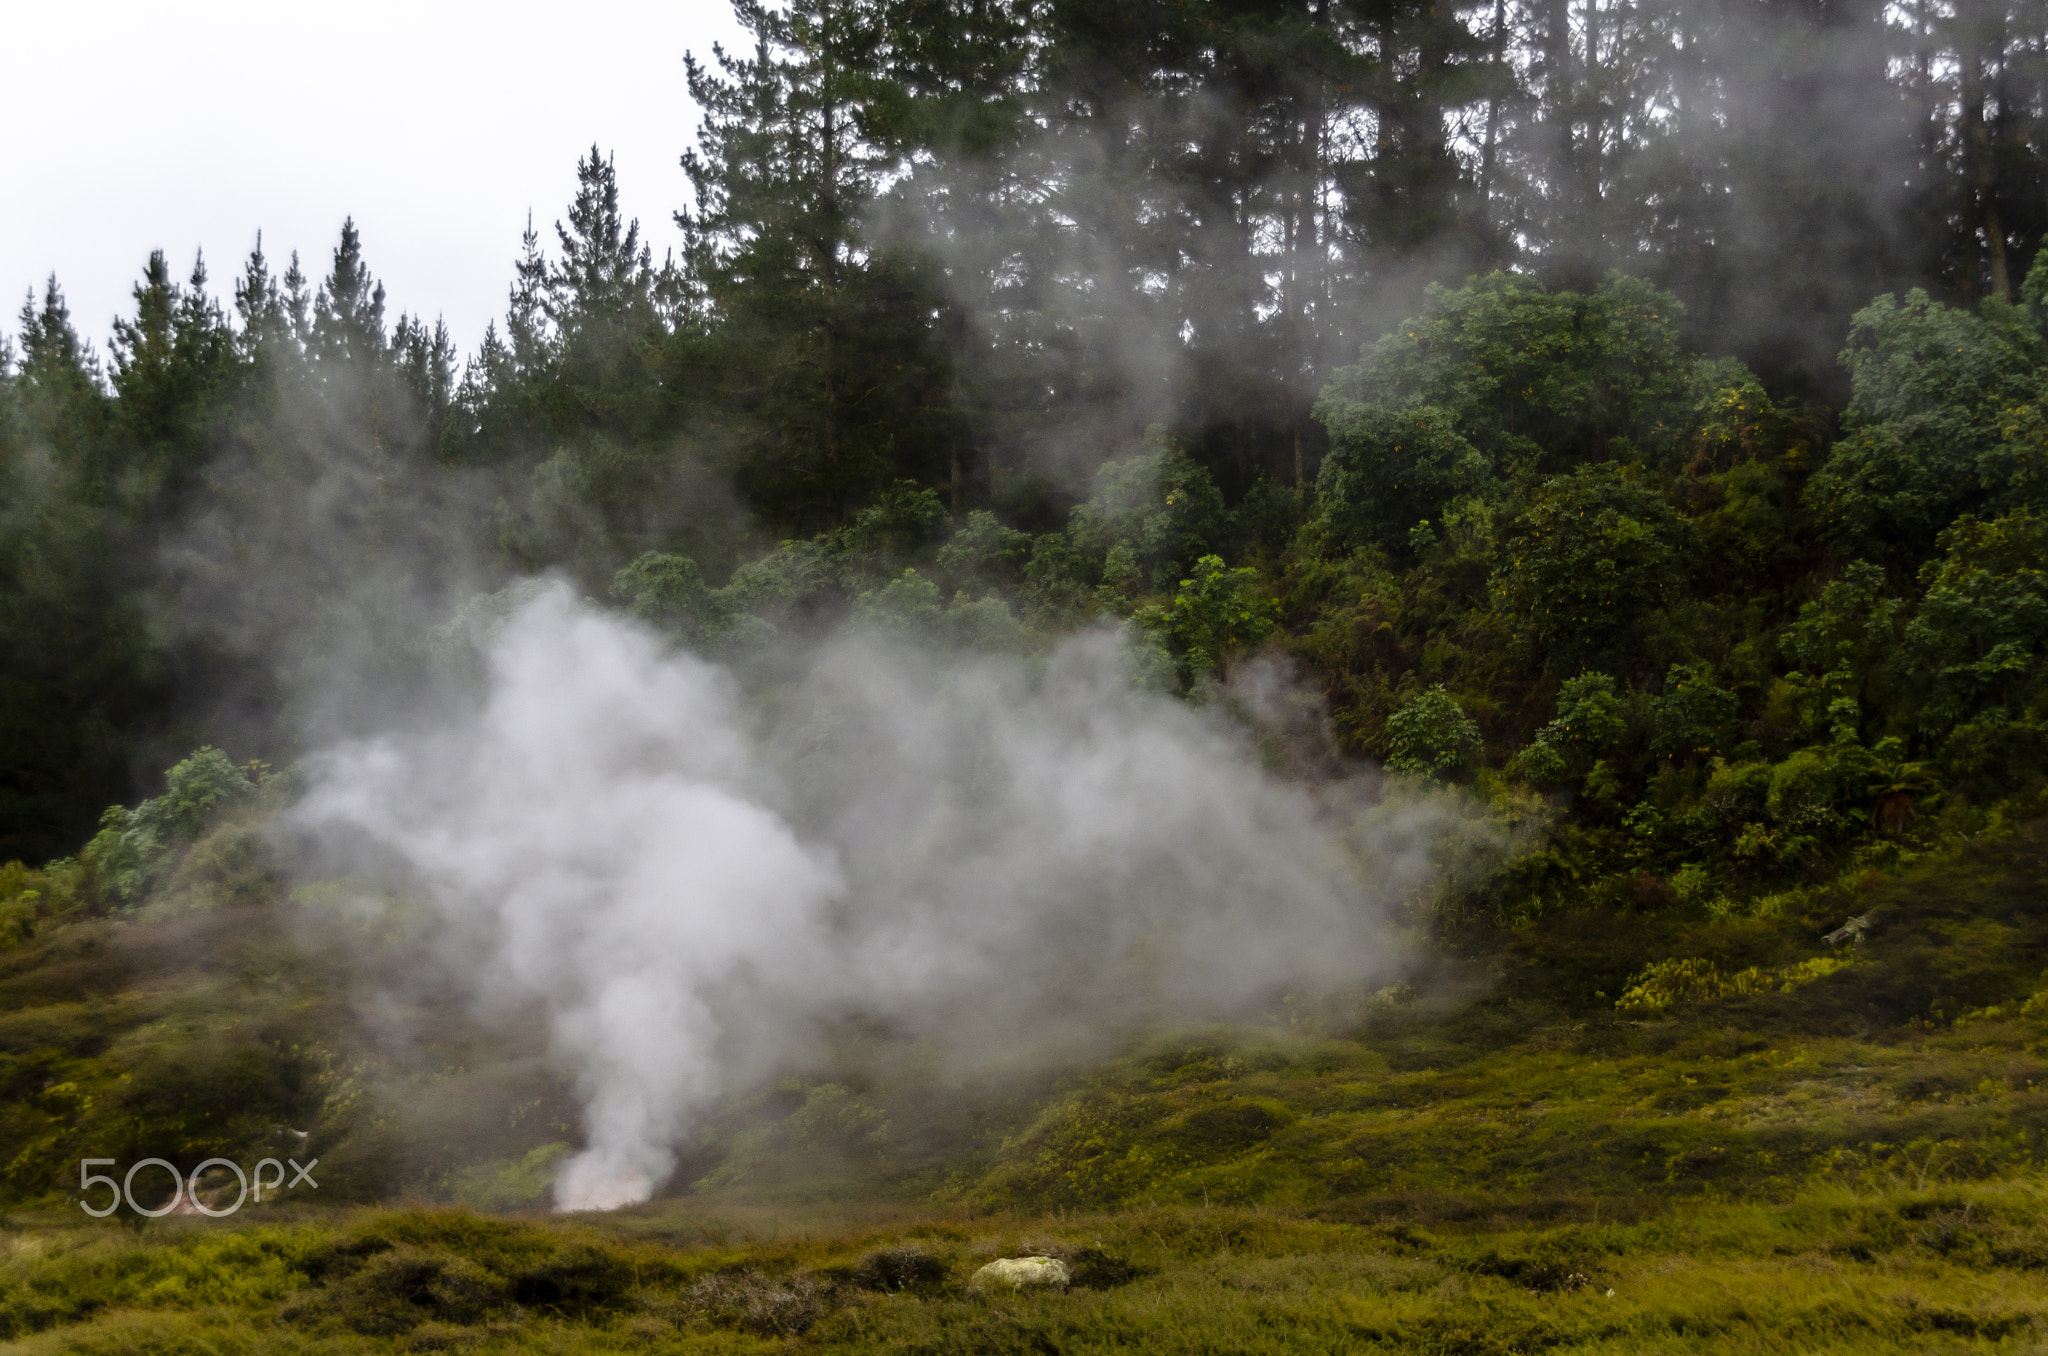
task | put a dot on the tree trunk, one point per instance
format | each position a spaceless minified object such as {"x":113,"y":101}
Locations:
{"x":1487,"y":146}
{"x":1562,"y":100}
{"x":1978,"y":166}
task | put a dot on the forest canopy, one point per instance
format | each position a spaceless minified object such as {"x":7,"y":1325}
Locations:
{"x":1632,"y":412}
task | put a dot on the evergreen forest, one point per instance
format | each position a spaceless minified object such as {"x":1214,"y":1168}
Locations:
{"x":1621,"y":425}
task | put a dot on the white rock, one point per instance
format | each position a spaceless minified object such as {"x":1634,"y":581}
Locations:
{"x":1021,"y":1273}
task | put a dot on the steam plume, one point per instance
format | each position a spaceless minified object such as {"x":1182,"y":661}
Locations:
{"x":1007,"y":862}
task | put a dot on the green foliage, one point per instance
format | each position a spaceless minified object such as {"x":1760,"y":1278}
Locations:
{"x":907,"y":605}
{"x":983,"y":553}
{"x":1849,"y":628}
{"x":1695,"y":979}
{"x":1692,"y":713}
{"x":1389,"y":471}
{"x":1431,"y":736}
{"x":1218,"y":613}
{"x":1736,"y":792}
{"x":1501,"y":379}
{"x":1809,"y":789}
{"x":1152,"y":514}
{"x":915,"y":301}
{"x":1590,"y":718}
{"x":1945,"y":419}
{"x":513,"y":1185}
{"x":662,"y":589}
{"x":780,"y":586}
{"x":172,"y":364}
{"x":1975,"y":644}
{"x":834,"y":1117}
{"x":914,"y":296}
{"x":902,"y":521}
{"x":825,"y":344}
{"x":1822,"y":1260}
{"x":1676,"y":548}
{"x":1684,"y":552}
{"x":1734,"y":418}
{"x":1056,"y":580}
{"x":31,"y":900}
{"x":1995,"y":753}
{"x":1589,"y":714}
{"x":132,"y":845}
{"x":82,"y":678}
{"x":1767,"y":1107}
{"x":1586,"y":561}
{"x":1896,"y":785}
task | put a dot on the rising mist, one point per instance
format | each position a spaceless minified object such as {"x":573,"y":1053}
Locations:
{"x":1007,"y":863}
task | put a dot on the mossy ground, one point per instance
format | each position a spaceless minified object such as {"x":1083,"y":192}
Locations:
{"x":1948,"y":1268}
{"x":1850,"y":1160}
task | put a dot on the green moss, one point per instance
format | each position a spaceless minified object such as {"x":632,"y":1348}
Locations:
{"x":512,"y":1184}
{"x":1466,"y":1162}
{"x":1827,"y":1269}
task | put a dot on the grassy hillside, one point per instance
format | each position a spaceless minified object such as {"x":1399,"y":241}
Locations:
{"x":1755,"y":1142}
{"x":1949,"y":1268}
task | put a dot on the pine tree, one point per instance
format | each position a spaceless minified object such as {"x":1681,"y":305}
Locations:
{"x":599,"y":301}
{"x":348,"y":311}
{"x":606,"y":276}
{"x":269,"y":321}
{"x":830,"y":344}
{"x":171,"y":364}
{"x":79,"y":680}
{"x":59,"y":395}
{"x":424,"y":361}
{"x":526,"y":313}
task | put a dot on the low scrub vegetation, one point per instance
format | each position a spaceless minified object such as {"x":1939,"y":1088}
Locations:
{"x":1944,"y":1266}
{"x":1836,"y":1148}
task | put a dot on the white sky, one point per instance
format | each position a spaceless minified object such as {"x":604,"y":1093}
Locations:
{"x":437,"y":123}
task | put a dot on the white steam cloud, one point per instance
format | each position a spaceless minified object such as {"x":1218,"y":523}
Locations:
{"x":1004,"y":859}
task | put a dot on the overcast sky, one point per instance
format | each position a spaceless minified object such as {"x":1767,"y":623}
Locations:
{"x":183,"y":124}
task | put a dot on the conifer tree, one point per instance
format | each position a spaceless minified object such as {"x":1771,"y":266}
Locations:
{"x":78,"y":678}
{"x":829,"y":334}
{"x":348,"y":311}
{"x":60,"y":403}
{"x":270,"y":313}
{"x":606,"y":274}
{"x":170,"y":365}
